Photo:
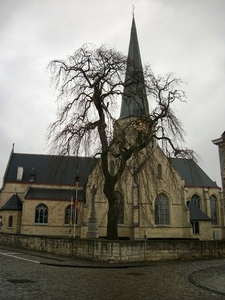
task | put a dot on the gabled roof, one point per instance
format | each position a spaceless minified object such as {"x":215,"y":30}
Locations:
{"x":54,"y":194}
{"x":49,"y":169}
{"x":191,"y":173}
{"x":14,"y":203}
{"x":196,"y":214}
{"x":134,"y":100}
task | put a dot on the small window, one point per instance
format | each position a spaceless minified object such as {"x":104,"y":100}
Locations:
{"x":196,"y":200}
{"x":159,"y":171}
{"x":195,"y":227}
{"x":10,"y":221}
{"x":213,"y":206}
{"x":41,"y":214}
{"x":19,"y":174}
{"x":32,"y":175}
{"x":70,"y":215}
{"x":162,"y":215}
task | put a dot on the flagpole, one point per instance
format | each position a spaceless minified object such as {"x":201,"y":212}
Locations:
{"x":75,"y":208}
{"x":71,"y":215}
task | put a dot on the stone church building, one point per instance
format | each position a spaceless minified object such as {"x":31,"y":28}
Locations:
{"x":159,"y":197}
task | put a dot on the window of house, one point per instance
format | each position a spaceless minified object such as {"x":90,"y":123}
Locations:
{"x":41,"y":214}
{"x":10,"y":221}
{"x":195,"y":227}
{"x":196,"y":200}
{"x":159,"y":171}
{"x":70,"y":215}
{"x":213,"y":206}
{"x":32,"y":175}
{"x":162,"y":216}
{"x":120,"y":202}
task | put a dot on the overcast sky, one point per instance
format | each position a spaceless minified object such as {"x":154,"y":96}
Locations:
{"x":185,"y":37}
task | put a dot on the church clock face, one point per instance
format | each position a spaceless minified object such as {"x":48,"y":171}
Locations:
{"x":139,"y":125}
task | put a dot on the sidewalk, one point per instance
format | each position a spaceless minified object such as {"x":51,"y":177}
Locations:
{"x":73,"y":262}
{"x":211,"y":279}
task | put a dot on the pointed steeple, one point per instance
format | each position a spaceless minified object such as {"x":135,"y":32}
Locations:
{"x":134,"y":100}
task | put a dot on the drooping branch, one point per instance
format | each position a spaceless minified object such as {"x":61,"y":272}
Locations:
{"x":88,"y":83}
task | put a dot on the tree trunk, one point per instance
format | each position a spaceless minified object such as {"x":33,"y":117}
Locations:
{"x":112,"y":231}
{"x":109,"y":191}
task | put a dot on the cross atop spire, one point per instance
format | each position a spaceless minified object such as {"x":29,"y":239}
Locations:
{"x":133,"y":7}
{"x":134,"y":100}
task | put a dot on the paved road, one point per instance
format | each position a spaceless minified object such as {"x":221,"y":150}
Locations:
{"x":31,"y":275}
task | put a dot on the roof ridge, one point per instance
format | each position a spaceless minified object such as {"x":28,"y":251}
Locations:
{"x":52,"y":155}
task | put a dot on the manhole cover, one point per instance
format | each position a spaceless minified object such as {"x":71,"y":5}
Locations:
{"x":20,"y":280}
{"x":135,"y":274}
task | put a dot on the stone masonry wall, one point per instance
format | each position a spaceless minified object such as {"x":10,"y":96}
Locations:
{"x":117,"y":251}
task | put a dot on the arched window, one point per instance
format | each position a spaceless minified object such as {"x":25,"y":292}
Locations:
{"x":120,"y":202}
{"x":162,"y":214}
{"x":70,"y":215}
{"x":10,"y":221}
{"x":196,"y":200}
{"x":159,"y":171}
{"x":41,"y":214}
{"x":213,"y":206}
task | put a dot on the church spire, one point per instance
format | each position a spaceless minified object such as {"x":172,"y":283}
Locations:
{"x":134,"y":100}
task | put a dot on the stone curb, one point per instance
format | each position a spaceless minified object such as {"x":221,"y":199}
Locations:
{"x":89,"y":266}
{"x":202,"y":285}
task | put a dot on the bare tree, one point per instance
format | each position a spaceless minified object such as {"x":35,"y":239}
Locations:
{"x":90,"y":84}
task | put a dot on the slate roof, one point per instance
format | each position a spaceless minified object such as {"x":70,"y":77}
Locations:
{"x":196,"y":214}
{"x":54,"y":194}
{"x":137,"y":104}
{"x":14,"y":203}
{"x":191,"y":173}
{"x":49,"y":169}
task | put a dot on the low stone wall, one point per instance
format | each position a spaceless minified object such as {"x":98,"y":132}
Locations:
{"x":117,"y":251}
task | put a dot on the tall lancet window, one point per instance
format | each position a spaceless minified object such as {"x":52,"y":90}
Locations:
{"x":162,"y":213}
{"x":196,"y":200}
{"x":214,"y":211}
{"x":10,"y":221}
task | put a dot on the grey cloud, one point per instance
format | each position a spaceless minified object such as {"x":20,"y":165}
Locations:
{"x":184,"y":37}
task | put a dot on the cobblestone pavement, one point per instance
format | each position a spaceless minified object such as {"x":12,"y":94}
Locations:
{"x":31,"y":275}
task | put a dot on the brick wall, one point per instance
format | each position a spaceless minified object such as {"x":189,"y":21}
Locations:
{"x":118,"y":251}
